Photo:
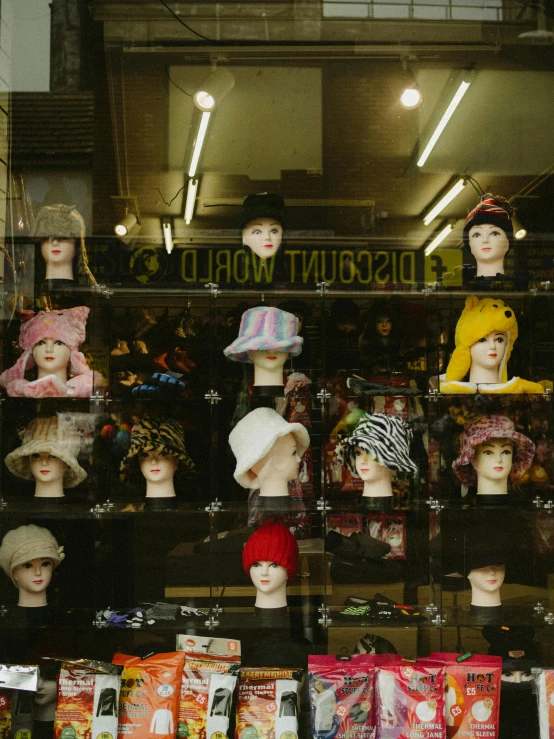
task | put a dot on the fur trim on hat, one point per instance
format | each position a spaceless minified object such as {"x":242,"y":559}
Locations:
{"x":385,"y":438}
{"x":485,"y":428}
{"x":253,"y":437}
{"x":272,"y":542}
{"x":47,"y":435}
{"x":493,"y":210}
{"x":480,"y":318}
{"x":151,"y":435}
{"x":265,"y":328}
{"x":514,"y":386}
{"x":26,"y":543}
{"x":261,"y":205}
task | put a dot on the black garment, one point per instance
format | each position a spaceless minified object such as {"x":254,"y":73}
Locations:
{"x":43,"y":729}
{"x":519,"y":716}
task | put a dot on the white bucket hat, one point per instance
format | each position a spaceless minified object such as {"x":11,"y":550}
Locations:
{"x":47,"y":435}
{"x":253,"y":437}
{"x":26,"y":543}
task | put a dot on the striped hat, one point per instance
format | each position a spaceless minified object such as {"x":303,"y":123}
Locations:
{"x":152,"y":435}
{"x":385,"y":438}
{"x":265,"y":328}
{"x":493,"y":210}
{"x":48,"y":435}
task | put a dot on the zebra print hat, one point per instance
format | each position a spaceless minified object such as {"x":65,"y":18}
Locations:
{"x":385,"y":438}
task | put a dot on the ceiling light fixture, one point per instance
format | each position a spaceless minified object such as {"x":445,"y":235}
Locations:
{"x":439,"y":238}
{"x":125,"y":225}
{"x":199,"y":142}
{"x":447,"y":198}
{"x":191,"y":200}
{"x":520,"y":232}
{"x":411,"y":97}
{"x":449,"y":112}
{"x":214,"y":88}
{"x":168,"y":238}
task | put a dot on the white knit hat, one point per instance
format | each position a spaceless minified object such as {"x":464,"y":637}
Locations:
{"x":26,"y":543}
{"x":253,"y":437}
{"x":47,"y":435}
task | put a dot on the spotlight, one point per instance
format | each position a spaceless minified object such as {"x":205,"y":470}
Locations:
{"x":168,"y":239}
{"x":125,"y":225}
{"x":214,"y":88}
{"x":411,"y":98}
{"x":520,"y":232}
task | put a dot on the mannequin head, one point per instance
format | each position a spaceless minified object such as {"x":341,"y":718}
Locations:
{"x":51,"y":358}
{"x":268,"y":366}
{"x":377,"y":478}
{"x":486,"y":583}
{"x":488,"y":232}
{"x":28,"y":556}
{"x":493,"y":459}
{"x":270,"y":557}
{"x":268,"y":451}
{"x":261,"y":223}
{"x":158,"y":466}
{"x":487,"y":357}
{"x":47,"y":468}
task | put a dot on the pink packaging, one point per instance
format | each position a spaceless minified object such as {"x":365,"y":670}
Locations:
{"x":409,"y":700}
{"x":472,"y":694}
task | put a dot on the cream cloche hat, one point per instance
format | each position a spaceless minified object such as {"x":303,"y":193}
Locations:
{"x":26,"y":543}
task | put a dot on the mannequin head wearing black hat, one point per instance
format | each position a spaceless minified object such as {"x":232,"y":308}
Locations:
{"x":261,"y":223}
{"x":485,"y":565}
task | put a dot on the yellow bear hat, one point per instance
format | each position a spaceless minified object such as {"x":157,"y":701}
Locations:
{"x":479,"y":318}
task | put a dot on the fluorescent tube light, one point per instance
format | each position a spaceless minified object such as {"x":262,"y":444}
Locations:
{"x":191,"y":200}
{"x":168,"y":239}
{"x":443,"y":202}
{"x":439,"y":238}
{"x":460,"y":92}
{"x":200,"y":136}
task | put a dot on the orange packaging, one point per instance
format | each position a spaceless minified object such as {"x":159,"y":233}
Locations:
{"x":545,"y":683}
{"x":5,"y":714}
{"x":149,"y":696}
{"x":87,"y":703}
{"x":208,"y":687}
{"x":472,"y":694}
{"x":268,"y":703}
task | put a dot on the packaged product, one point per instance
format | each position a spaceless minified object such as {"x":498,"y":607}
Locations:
{"x":87,"y":702}
{"x":472,"y":694}
{"x":544,"y":680}
{"x":16,"y":700}
{"x":341,"y":696}
{"x":149,"y":696}
{"x":209,"y":682}
{"x":267,"y":703}
{"x":409,"y":700}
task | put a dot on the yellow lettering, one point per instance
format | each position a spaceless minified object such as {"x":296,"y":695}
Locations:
{"x":186,"y":276}
{"x":210,"y":268}
{"x":306,"y":269}
{"x":292,"y":253}
{"x":333,"y":277}
{"x":381,"y":267}
{"x":346,"y":259}
{"x":246,"y":263}
{"x":407,"y":273}
{"x":260,"y":266}
{"x":367,"y":256}
{"x":223,"y":263}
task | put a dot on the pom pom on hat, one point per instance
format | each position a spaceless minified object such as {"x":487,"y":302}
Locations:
{"x":272,"y":542}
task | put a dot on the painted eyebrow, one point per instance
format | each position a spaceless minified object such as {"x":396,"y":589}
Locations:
{"x":275,"y":223}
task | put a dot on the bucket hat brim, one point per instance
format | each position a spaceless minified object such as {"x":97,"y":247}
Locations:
{"x":18,"y":461}
{"x":238,"y":350}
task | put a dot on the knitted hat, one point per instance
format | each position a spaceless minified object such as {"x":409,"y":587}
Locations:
{"x":261,"y":205}
{"x":253,"y":437}
{"x":493,"y":210}
{"x":26,"y":543}
{"x":265,"y":328}
{"x":385,"y":438}
{"x":480,"y":318}
{"x":515,"y":645}
{"x":68,"y":326}
{"x":272,"y":542}
{"x":151,"y":435}
{"x":46,"y":435}
{"x":485,"y":428}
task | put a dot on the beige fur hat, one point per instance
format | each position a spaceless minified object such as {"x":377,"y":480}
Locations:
{"x":47,"y":435}
{"x":26,"y":543}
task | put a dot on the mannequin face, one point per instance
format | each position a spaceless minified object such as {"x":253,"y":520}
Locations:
{"x":487,"y":579}
{"x":46,"y":692}
{"x":366,"y":467}
{"x":263,"y":236}
{"x":268,"y":577}
{"x":268,"y":359}
{"x":58,"y":250}
{"x":47,"y":468}
{"x":158,"y":466}
{"x":517,"y":676}
{"x":281,"y":461}
{"x":488,"y":243}
{"x":489,"y":351}
{"x":493,"y":459}
{"x":33,"y":576}
{"x":383,"y":324}
{"x":51,"y":355}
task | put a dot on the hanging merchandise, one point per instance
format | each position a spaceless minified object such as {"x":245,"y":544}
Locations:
{"x":150,"y":690}
{"x":268,"y":703}
{"x":209,"y":681}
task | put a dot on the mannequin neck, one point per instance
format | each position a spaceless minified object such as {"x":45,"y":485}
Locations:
{"x":490,"y":269}
{"x":264,"y":376}
{"x":45,"y":713}
{"x":273,"y":487}
{"x":276,"y":599}
{"x":31,"y":600}
{"x":160,"y":489}
{"x":61,"y":374}
{"x":59,"y":271}
{"x":491,"y":487}
{"x":482,"y":376}
{"x":381,"y":487}
{"x":53,"y":489}
{"x":487,"y":600}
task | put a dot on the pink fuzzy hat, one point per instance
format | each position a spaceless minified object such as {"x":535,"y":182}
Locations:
{"x":68,"y":326}
{"x":265,"y":328}
{"x":485,"y":428}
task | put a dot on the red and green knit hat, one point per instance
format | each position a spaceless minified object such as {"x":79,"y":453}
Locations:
{"x":272,"y":542}
{"x":491,"y":209}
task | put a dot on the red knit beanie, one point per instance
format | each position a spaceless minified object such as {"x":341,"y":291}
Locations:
{"x":494,"y":210}
{"x":272,"y":542}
